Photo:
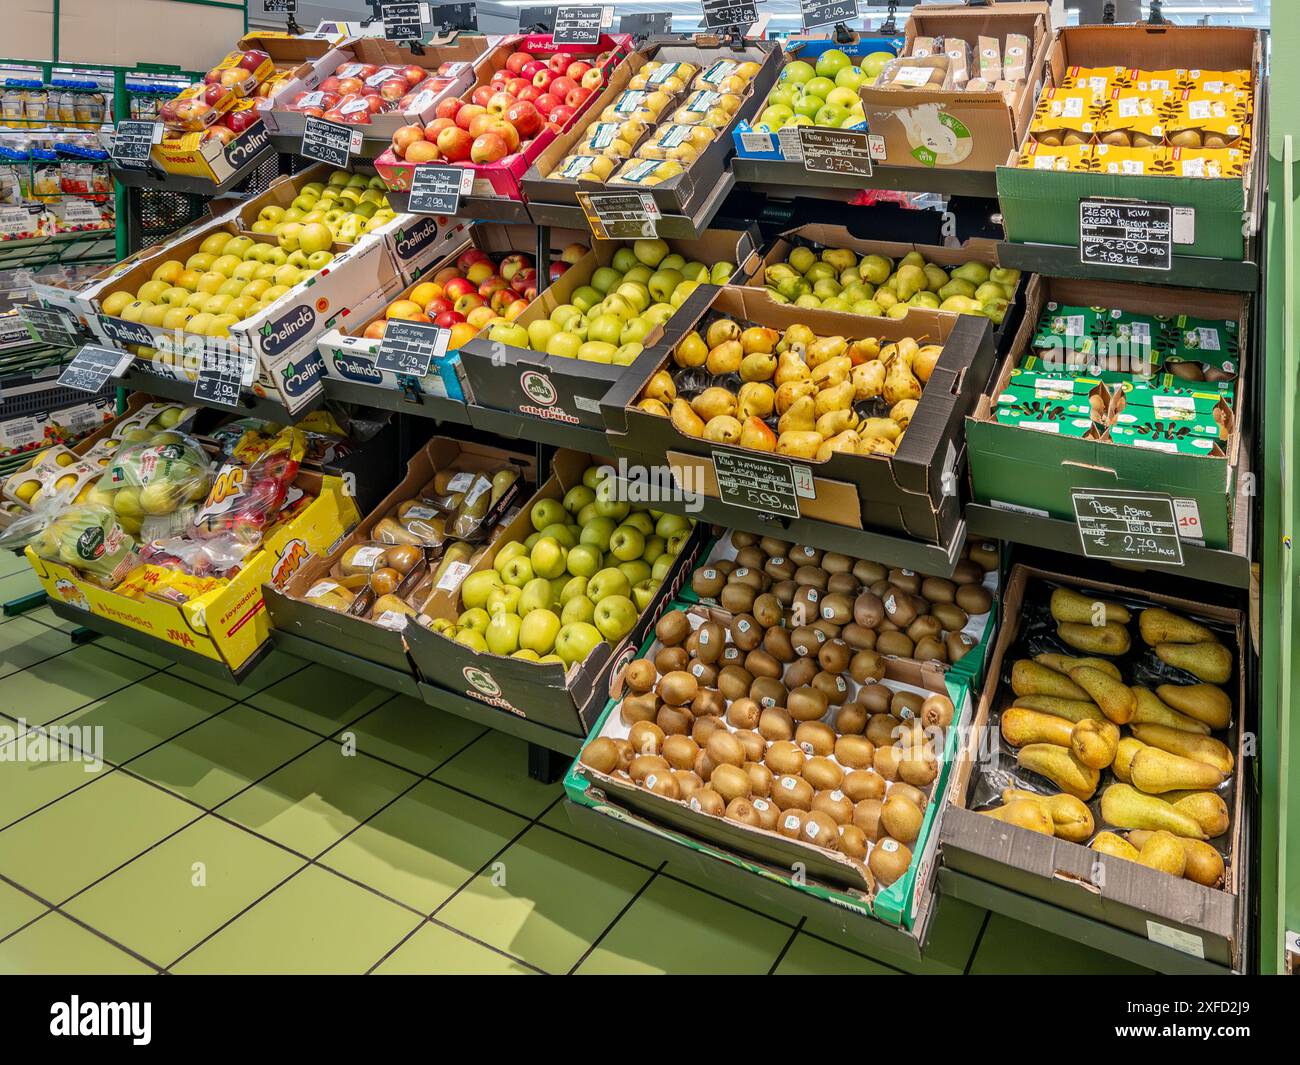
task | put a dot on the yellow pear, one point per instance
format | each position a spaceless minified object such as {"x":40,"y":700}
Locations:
{"x":1124,"y":755}
{"x":1115,"y":698}
{"x":1205,"y":702}
{"x":1125,"y":807}
{"x":1162,"y":851}
{"x":720,"y":331}
{"x":834,"y":422}
{"x":686,"y":420}
{"x":900,"y":382}
{"x":757,"y":434}
{"x":787,"y":393}
{"x":902,"y":411}
{"x":1111,"y":638}
{"x":756,"y":399}
{"x":1155,"y":771}
{"x":722,"y":429}
{"x":798,"y":418}
{"x":1206,"y":808}
{"x":1030,"y":678}
{"x":799,"y":444}
{"x":759,"y":366}
{"x":1071,"y":818}
{"x":790,"y":367}
{"x":1149,"y":710}
{"x":1059,"y":765}
{"x":1164,"y":626}
{"x":712,"y":402}
{"x":1069,"y":605}
{"x":1020,"y":727}
{"x":884,"y":428}
{"x":868,"y":379}
{"x":1115,"y":846}
{"x":924,"y":362}
{"x":864,"y":350}
{"x":690,"y":351}
{"x":1070,"y":709}
{"x":1204,"y":865}
{"x":725,"y":358}
{"x":832,"y":371}
{"x":1094,"y":743}
{"x":1064,"y":663}
{"x":660,"y":387}
{"x":825,"y":348}
{"x":1207,"y":661}
{"x":1186,"y":744}
{"x":836,"y":397}
{"x":1023,"y":813}
{"x":846,"y":442}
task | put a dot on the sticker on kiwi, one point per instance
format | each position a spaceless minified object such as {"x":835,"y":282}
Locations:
{"x":937,"y":139}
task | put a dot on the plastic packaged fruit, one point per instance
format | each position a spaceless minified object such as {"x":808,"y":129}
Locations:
{"x":613,"y":139}
{"x":679,"y":142}
{"x":726,"y":75}
{"x":643,"y":104}
{"x":646,"y":172}
{"x":669,"y":77}
{"x":707,"y":108}
{"x":592,"y":168}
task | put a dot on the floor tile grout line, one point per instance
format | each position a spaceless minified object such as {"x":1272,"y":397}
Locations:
{"x":99,"y":698}
{"x":617,"y":917}
{"x":794,"y":934}
{"x":853,"y":950}
{"x":975,"y":950}
{"x":422,"y":923}
{"x":488,"y":946}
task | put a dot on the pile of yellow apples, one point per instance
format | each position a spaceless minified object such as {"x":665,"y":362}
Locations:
{"x":805,"y":385}
{"x":346,"y":205}
{"x":230,"y":278}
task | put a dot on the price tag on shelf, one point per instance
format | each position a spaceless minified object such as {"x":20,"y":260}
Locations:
{"x":404,"y":22}
{"x":329,"y":142}
{"x":133,"y":144}
{"x":411,"y":347}
{"x":770,"y":485}
{"x":438,"y":189}
{"x":283,"y":7}
{"x":827,"y":12}
{"x":1127,"y":526}
{"x":92,"y":366}
{"x":836,"y":151}
{"x":222,"y":376}
{"x":1126,"y":233}
{"x":19,"y":220}
{"x":50,"y":325}
{"x":620,"y":215}
{"x":729,"y":14}
{"x":578,"y":25}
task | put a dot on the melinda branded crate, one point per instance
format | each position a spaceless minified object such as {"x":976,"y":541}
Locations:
{"x":570,"y":390}
{"x":227,"y":624}
{"x":826,"y":874}
{"x":206,"y":156}
{"x":1041,"y":206}
{"x":502,"y":178}
{"x":754,"y":143}
{"x":685,"y":193}
{"x":1036,"y":474}
{"x":568,"y":699}
{"x":911,"y":491}
{"x":292,"y":612}
{"x":1203,"y":921}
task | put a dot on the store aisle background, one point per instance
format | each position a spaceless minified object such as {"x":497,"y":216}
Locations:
{"x":235,"y":829}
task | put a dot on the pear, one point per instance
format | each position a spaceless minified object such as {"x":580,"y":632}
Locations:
{"x":800,"y":335}
{"x":759,"y":339}
{"x":722,"y":429}
{"x":832,"y":372}
{"x":1030,"y":678}
{"x":1021,"y":727}
{"x":1023,"y":813}
{"x":900,"y":382}
{"x":845,"y":442}
{"x":1115,"y":846}
{"x":1071,"y":709}
{"x":1126,"y":807}
{"x":876,"y":445}
{"x":825,"y":348}
{"x":1059,"y":766}
{"x":690,"y":351}
{"x":1115,"y":699}
{"x":759,"y":366}
{"x":864,"y":350}
{"x":911,"y":279}
{"x":1064,"y":663}
{"x":925,"y":298}
{"x":756,"y":434}
{"x":868,"y":380}
{"x":912,"y":258}
{"x":712,"y":402}
{"x":660,"y":387}
{"x":840,"y":258}
{"x":1151,"y":711}
{"x":778,"y":272}
{"x":935,"y":276}
{"x":1071,"y":818}
{"x":1094,"y":743}
{"x":924,"y":362}
{"x":1069,"y":605}
{"x":974,"y":272}
{"x":685,"y":420}
{"x":1206,"y":661}
{"x":1124,"y":755}
{"x":990,"y":291}
{"x":902,"y":411}
{"x":720,"y":331}
{"x":1204,"y":865}
{"x":793,"y":288}
{"x":1206,"y":808}
{"x":885,"y":298}
{"x":802,"y":445}
{"x":786,"y":394}
{"x":1006,"y":277}
{"x":834,"y":422}
{"x":1162,"y":851}
{"x":799,"y":417}
{"x":1108,"y":639}
{"x":875,"y":269}
{"x":1164,"y":626}
{"x":883,"y":428}
{"x":1155,"y":771}
{"x":790,"y":367}
{"x":1185,"y":744}
{"x":653,"y":406}
{"x":957,"y":287}
{"x":1204,"y":702}
{"x":725,"y":358}
{"x":961,"y":305}
{"x":836,"y":397}
{"x":756,"y":399}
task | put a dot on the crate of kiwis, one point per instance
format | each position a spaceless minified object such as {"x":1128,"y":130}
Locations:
{"x":807,"y":594}
{"x":812,"y":757}
{"x":1108,"y":739}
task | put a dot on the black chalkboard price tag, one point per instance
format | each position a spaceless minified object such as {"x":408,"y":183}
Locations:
{"x":836,"y":151}
{"x":438,"y":189}
{"x":769,"y":485}
{"x":329,"y":142}
{"x":92,"y":366}
{"x":411,"y":347}
{"x":1127,"y":526}
{"x":729,"y":14}
{"x":578,"y":25}
{"x":133,"y":144}
{"x":1126,"y":233}
{"x":221,"y":378}
{"x":827,"y":12}
{"x":404,"y":22}
{"x":49,"y":325}
{"x":620,"y":215}
{"x":284,"y":7}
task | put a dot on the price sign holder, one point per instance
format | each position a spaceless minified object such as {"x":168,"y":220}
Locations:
{"x":283,"y":7}
{"x":133,"y":144}
{"x":836,"y":151}
{"x":816,"y":13}
{"x":620,"y":215}
{"x":410,"y":348}
{"x":769,"y":485}
{"x":329,"y":142}
{"x":1127,"y":233}
{"x":723,"y":15}
{"x":221,"y":377}
{"x":438,"y":189}
{"x":578,"y":25}
{"x":404,"y":22}
{"x":92,"y":366}
{"x":1127,"y":526}
{"x":49,"y":325}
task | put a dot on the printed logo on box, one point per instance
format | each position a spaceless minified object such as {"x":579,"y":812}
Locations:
{"x":414,"y":238}
{"x":355,"y":368}
{"x":291,"y":560}
{"x":299,"y":377}
{"x":483,"y":681}
{"x":538,"y":388}
{"x":242,"y":149}
{"x":281,"y":335}
{"x":71,"y":594}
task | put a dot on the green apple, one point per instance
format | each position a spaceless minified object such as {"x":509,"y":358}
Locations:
{"x":538,"y":630}
{"x":643,"y":592}
{"x":608,"y":505}
{"x":624,"y":259}
{"x":527,"y":654}
{"x":672,"y":523}
{"x":587,"y":515}
{"x":557,"y":586}
{"x":579,"y":608}
{"x":641,"y":521}
{"x":593,"y":475}
{"x":606,"y":328}
{"x":548,"y":512}
{"x":609,"y":581}
{"x":516,"y":336}
{"x":540,"y":333}
{"x":598,"y":531}
{"x":586,"y":297}
{"x":584,"y":560}
{"x":476,"y":588}
{"x":575,"y":641}
{"x":548,"y":557}
{"x":536,"y":595}
{"x":676,"y":542}
{"x":472,"y":639}
{"x":502,"y":634}
{"x":627,"y":542}
{"x":573,"y":587}
{"x":508,"y":551}
{"x":578,"y":497}
{"x":565,"y":534}
{"x":475,"y":618}
{"x":563,"y":345}
{"x":662,"y":565}
{"x":531,"y":540}
{"x":615,"y":616}
{"x":518,"y":571}
{"x":604,"y":278}
{"x":504,"y":598}
{"x":654,"y":547}
{"x":635,"y":570}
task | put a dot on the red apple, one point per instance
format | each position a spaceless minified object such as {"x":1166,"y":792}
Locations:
{"x":530,"y":93}
{"x":482,"y":124}
{"x":517,"y":61}
{"x":561,"y":87}
{"x":592,"y":79}
{"x":561,"y":115}
{"x":482,"y":95}
{"x":495,"y":283}
{"x":525,"y":118}
{"x":468,"y":302}
{"x":517,"y":85}
{"x":500,"y":299}
{"x":560,"y":61}
{"x":468,"y":258}
{"x":447,"y":109}
{"x":167,"y":112}
{"x":214,"y":94}
{"x":448,"y":318}
{"x":349,"y":86}
{"x":241,"y":120}
{"x":253,"y":58}
{"x":577,"y":96}
{"x":555,"y":270}
{"x":414,"y":75}
{"x":364,"y":70}
{"x":435,"y":127}
{"x":330,"y":84}
{"x":466,"y":115}
{"x":375,"y":103}
{"x":234,"y":77}
{"x":456,"y":288}
{"x":218,"y":133}
{"x":212,"y":77}
{"x":576,"y":69}
{"x":532,"y":68}
{"x":513,"y":264}
{"x":393,"y":89}
{"x":368,"y":90}
{"x":546,"y":103}
{"x":543,"y":78}
{"x":506,"y":132}
{"x":500,"y":103}
{"x":437,"y":306}
{"x":455,"y":143}
{"x":498,"y":80}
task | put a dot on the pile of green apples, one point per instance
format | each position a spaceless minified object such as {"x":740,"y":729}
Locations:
{"x":838,"y":279}
{"x":592,"y":564}
{"x":824,"y":93}
{"x":608,"y":319}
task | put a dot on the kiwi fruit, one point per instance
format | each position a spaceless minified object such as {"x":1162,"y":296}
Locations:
{"x":984,"y":554}
{"x":790,"y":823}
{"x":806,"y":640}
{"x":767,"y":610}
{"x":705,"y":675}
{"x":910,"y":732}
{"x":912,"y":794}
{"x":843,"y":584}
{"x":857,"y":637}
{"x":601,"y":755}
{"x":645,"y":764}
{"x":776,"y":643}
{"x":831,"y":685}
{"x":761,"y":664}
{"x":738,"y":597}
{"x":688,"y":783}
{"x":671,"y":659}
{"x":863,"y":784}
{"x":706,"y":642}
{"x":725,"y":566}
{"x":784,"y":757}
{"x":707,"y":582}
{"x":828,"y":629}
{"x":925,"y":627}
{"x":820,"y":830}
{"x":822,"y":773}
{"x":928,"y":649}
{"x":974,"y":599}
{"x":704,"y":727}
{"x":745,"y":632}
{"x":874,"y":699}
{"x":775,"y":723}
{"x":767,"y":691}
{"x":836,"y":608}
{"x":800,"y":673}
{"x":952,"y":617}
{"x":815,"y":738}
{"x":880,"y":589}
{"x":779,"y":569}
{"x":806,"y":704}
{"x":734,"y":681}
{"x":742,"y":811}
{"x":755,"y":579}
{"x":806,"y":605}
{"x":672,"y":628}
{"x":675,"y":720}
{"x":679,"y":751}
{"x":895,"y":643}
{"x":958,"y":645}
{"x":865,"y":666}
{"x":811,"y":577}
{"x":792,"y":791}
{"x":804,"y":555}
{"x":938,"y":590}
{"x":626,"y":752}
{"x":882,"y":729}
{"x":744,"y":713}
{"x":708,"y":703}
{"x":850,"y":719}
{"x":905,"y":704}
{"x":901,"y":819}
{"x":640,"y":675}
{"x":885,"y":761}
{"x":707,"y":801}
{"x":729,"y":781}
{"x":918,"y":767}
{"x":868,"y":572}
{"x":966,"y":572}
{"x":899,"y":607}
{"x":866,"y":818}
{"x":725,"y":749}
{"x":889,"y":860}
{"x":937,"y":711}
{"x":664,"y":784}
{"x":767,"y":813}
{"x":731,"y":656}
{"x":854,"y":752}
{"x":643,"y":707}
{"x":834,"y":656}
{"x":784,"y":592}
{"x":760,"y":779}
{"x":703,"y":767}
{"x":905,"y":579}
{"x":753,"y":744}
{"x":853,"y":841}
{"x":677,"y":688}
{"x":646,"y":738}
{"x":751,"y":556}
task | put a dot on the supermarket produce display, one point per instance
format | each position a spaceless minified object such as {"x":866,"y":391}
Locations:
{"x":840,"y":551}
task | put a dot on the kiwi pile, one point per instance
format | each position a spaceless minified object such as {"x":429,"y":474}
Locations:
{"x":803,"y":598}
{"x":809,"y":743}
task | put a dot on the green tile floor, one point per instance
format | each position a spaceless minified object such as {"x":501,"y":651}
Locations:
{"x":306,"y":823}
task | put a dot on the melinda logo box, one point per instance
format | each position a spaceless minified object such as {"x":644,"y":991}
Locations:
{"x":193,"y":155}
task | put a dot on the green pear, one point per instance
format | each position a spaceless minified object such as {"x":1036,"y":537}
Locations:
{"x":1126,"y":807}
{"x":911,"y":279}
{"x":957,"y":287}
{"x":936,"y":277}
{"x":925,"y":298}
{"x":875,"y":269}
{"x":990,"y":291}
{"x":1005,"y":276}
{"x":975,"y":272}
{"x":778,"y":272}
{"x":912,"y":258}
